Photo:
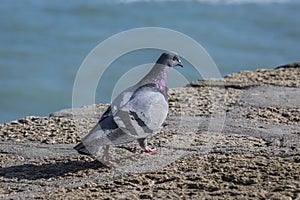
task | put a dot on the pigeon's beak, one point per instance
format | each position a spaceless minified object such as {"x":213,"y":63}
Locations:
{"x":180,"y":63}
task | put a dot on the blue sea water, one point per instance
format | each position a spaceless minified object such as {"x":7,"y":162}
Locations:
{"x":43,"y":43}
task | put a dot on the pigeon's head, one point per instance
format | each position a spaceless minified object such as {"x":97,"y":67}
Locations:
{"x":170,"y":59}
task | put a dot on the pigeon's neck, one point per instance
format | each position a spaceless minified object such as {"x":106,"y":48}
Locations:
{"x":161,"y":79}
{"x":158,"y":76}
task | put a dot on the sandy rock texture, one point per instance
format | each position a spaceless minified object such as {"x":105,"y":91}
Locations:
{"x":231,"y":138}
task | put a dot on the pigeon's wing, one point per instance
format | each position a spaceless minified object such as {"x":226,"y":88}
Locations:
{"x":143,"y":114}
{"x":118,"y":102}
{"x":106,"y":131}
{"x":98,"y":136}
{"x":122,"y":99}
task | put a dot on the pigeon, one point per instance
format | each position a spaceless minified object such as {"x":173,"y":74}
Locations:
{"x":136,"y":113}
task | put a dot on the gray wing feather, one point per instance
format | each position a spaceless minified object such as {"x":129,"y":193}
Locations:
{"x":99,"y":136}
{"x":106,"y":131}
{"x":143,"y":114}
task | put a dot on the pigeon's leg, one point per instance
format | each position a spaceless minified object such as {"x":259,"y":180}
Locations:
{"x":106,"y":158}
{"x":106,"y":155}
{"x":144,"y":145}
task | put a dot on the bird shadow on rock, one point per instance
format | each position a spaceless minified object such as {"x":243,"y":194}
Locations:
{"x":49,"y":170}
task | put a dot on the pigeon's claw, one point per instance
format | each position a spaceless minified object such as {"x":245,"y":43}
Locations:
{"x":150,"y":150}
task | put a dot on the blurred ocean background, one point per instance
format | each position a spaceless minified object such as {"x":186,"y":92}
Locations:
{"x":43,"y":43}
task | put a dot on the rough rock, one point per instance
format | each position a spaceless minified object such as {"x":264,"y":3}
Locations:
{"x":231,"y":138}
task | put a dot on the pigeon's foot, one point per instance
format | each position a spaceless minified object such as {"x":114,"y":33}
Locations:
{"x":150,"y":150}
{"x":109,"y":163}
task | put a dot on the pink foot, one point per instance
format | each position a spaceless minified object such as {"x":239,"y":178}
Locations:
{"x":109,"y":163}
{"x":150,"y":150}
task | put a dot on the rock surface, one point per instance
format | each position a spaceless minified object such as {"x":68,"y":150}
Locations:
{"x":231,"y":138}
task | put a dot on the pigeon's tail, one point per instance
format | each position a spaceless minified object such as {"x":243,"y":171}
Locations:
{"x":81,"y":149}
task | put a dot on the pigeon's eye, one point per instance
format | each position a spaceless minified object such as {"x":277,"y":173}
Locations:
{"x":175,"y":58}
